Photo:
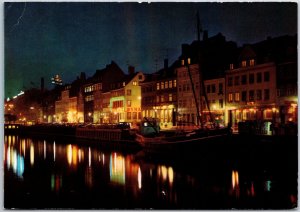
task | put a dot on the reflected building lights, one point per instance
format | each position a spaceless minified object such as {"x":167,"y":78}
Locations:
{"x":117,"y":168}
{"x":54,"y":151}
{"x":32,"y":154}
{"x":235,"y":183}
{"x":90,"y":157}
{"x":139,"y":178}
{"x":69,"y":154}
{"x":45,"y":150}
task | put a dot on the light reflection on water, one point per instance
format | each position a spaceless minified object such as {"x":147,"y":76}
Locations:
{"x":65,"y":169}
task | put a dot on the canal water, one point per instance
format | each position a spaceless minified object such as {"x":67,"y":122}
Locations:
{"x":48,"y":174}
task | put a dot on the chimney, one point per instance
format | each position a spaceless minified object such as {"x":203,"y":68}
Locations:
{"x":42,"y":84}
{"x":185,"y":49}
{"x":205,"y":35}
{"x":130,"y":70}
{"x":166,"y":65}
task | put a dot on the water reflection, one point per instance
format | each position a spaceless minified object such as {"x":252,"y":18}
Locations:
{"x":117,"y":168}
{"x":92,"y":175}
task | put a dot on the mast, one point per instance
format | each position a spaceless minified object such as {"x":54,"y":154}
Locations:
{"x":201,"y":81}
{"x":195,"y":97}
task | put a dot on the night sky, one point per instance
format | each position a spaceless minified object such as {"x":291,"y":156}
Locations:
{"x":43,"y":39}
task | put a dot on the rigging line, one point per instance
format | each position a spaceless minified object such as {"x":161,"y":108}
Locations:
{"x":19,"y":19}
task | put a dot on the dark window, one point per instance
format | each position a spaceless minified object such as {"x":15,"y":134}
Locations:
{"x":236,"y":80}
{"x":244,"y":79}
{"x":267,"y":94}
{"x":220,"y":88}
{"x":258,"y":77}
{"x":267,"y":76}
{"x":208,"y":89}
{"x":244,"y":96}
{"x":229,"y":81}
{"x":251,"y":78}
{"x":213,"y":88}
{"x":258,"y":95}
{"x":251,"y":95}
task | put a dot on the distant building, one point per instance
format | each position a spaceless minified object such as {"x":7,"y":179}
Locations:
{"x":215,"y":91}
{"x":159,"y":96}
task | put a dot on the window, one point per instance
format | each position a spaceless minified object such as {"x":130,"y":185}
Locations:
{"x":231,"y":66}
{"x":266,"y":76}
{"x":162,"y":98}
{"x":252,"y":62}
{"x":213,"y":88}
{"x":258,"y":77}
{"x":174,"y":84}
{"x":220,"y":103}
{"x":229,"y":81}
{"x":134,"y":115}
{"x":157,"y":98}
{"x":128,"y":92}
{"x":129,"y":115}
{"x":128,"y":103}
{"x":266,"y":94}
{"x":251,"y":78}
{"x":140,"y":77}
{"x":258,"y":95}
{"x":220,"y":88}
{"x":208,"y":89}
{"x":162,"y":85}
{"x":251,"y":95}
{"x":166,"y":84}
{"x":170,"y":97}
{"x":244,"y":96}
{"x":134,"y":83}
{"x":157,"y":86}
{"x":170,"y":84}
{"x":237,"y":97}
{"x":230,"y":97}
{"x":244,"y":63}
{"x":244,"y":79}
{"x":236,"y":80}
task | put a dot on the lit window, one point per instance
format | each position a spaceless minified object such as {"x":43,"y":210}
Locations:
{"x":189,"y":60}
{"x":244,"y":63}
{"x":182,"y":62}
{"x":166,"y":84}
{"x":162,"y":98}
{"x":174,"y":83}
{"x":231,"y":66}
{"x":237,"y":97}
{"x":162,"y":85}
{"x":230,"y":97}
{"x":170,"y":84}
{"x":157,"y":86}
{"x":128,"y":103}
{"x":134,"y":83}
{"x":252,"y":62}
{"x":129,"y":115}
{"x":170,"y":97}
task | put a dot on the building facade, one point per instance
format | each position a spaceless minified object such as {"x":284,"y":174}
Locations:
{"x":159,"y":96}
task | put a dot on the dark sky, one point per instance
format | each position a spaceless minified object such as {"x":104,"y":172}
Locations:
{"x":43,"y":39}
